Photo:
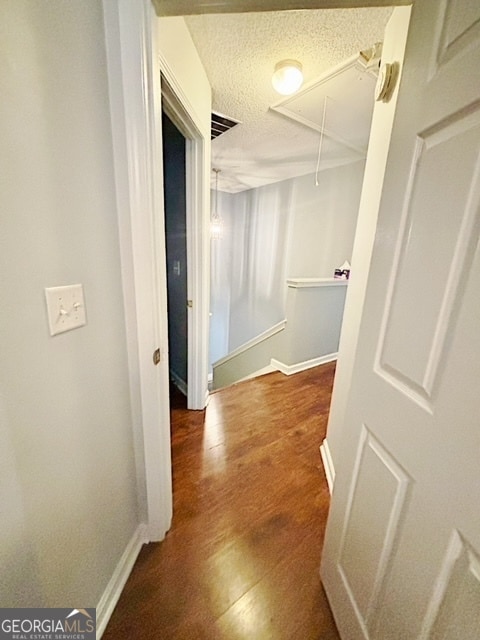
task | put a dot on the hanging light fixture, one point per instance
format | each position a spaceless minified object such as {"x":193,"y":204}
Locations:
{"x":216,"y":222}
{"x":287,"y":77}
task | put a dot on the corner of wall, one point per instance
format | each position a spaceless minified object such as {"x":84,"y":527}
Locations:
{"x":119,"y":577}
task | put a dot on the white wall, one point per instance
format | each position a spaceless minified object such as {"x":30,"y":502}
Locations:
{"x":287,"y":229}
{"x":67,"y":474}
{"x":180,"y":61}
{"x":324,"y":220}
{"x":220,"y":286}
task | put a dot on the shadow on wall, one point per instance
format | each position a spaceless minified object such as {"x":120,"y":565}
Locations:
{"x":249,"y":265}
{"x":308,"y":336}
{"x":287,"y":229}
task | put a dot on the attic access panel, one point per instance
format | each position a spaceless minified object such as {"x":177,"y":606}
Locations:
{"x":349,"y":88}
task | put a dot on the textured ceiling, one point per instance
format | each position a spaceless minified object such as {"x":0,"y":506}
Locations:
{"x":239,"y":52}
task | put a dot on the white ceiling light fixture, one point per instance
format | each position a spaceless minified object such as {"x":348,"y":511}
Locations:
{"x":287,"y":77}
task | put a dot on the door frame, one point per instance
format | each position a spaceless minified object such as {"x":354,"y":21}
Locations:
{"x":177,"y":107}
{"x":134,"y":71}
{"x":133,"y":97}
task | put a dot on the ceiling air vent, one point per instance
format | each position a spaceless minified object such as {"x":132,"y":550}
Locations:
{"x":221,"y":124}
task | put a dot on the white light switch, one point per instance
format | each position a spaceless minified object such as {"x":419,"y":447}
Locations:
{"x":65,"y":308}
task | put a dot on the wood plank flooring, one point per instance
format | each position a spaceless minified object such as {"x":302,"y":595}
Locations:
{"x":250,"y":504}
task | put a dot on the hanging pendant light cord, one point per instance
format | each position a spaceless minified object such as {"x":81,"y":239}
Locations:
{"x":216,"y":194}
{"x":320,"y":144}
{"x":215,"y":222}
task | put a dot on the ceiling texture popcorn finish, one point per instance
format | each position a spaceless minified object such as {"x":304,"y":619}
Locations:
{"x":239,"y":53}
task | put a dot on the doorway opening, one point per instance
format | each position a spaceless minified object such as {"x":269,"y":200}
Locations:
{"x":174,"y":180}
{"x":187,"y":252}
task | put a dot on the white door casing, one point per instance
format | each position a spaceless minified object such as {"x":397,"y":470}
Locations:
{"x":134,"y":68}
{"x":402,"y":548}
{"x":186,"y":97}
{"x":177,"y":107}
{"x":135,"y":105}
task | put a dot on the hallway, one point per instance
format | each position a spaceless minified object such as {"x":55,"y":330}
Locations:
{"x":250,"y":504}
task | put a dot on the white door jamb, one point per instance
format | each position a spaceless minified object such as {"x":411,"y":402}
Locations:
{"x":179,"y":110}
{"x":134,"y":83}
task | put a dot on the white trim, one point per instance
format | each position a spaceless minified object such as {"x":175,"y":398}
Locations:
{"x":119,"y":577}
{"x":280,"y":326}
{"x":289,"y":369}
{"x":310,"y":283}
{"x":198,"y":248}
{"x":181,"y":112}
{"x":159,"y":462}
{"x":136,"y":115}
{"x":120,"y":161}
{"x":328,"y":464}
{"x":179,"y":383}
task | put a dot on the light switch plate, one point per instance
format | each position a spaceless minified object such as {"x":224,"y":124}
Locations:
{"x":65,"y":308}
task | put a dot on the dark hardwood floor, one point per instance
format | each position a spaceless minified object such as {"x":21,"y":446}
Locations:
{"x":250,"y":504}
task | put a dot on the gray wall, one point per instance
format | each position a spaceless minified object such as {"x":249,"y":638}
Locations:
{"x":287,"y":229}
{"x":314,"y":322}
{"x":67,"y":476}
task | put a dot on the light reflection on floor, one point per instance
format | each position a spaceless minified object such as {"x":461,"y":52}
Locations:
{"x":214,"y":450}
{"x":248,"y":616}
{"x":235,"y":570}
{"x":233,"y":566}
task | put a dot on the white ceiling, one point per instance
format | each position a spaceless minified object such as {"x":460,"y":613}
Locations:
{"x":239,"y":52}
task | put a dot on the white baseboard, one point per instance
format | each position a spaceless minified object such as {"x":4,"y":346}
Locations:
{"x":328,"y":464}
{"x":116,"y":583}
{"x":179,"y":383}
{"x":289,"y":369}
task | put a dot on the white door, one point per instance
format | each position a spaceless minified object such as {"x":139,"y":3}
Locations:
{"x":401,"y":558}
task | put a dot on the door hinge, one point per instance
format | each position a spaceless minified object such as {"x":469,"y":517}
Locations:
{"x":189,"y":303}
{"x":156,"y":356}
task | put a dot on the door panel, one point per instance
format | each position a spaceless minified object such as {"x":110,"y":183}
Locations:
{"x":401,"y":555}
{"x":459,"y":23}
{"x":454,"y":609}
{"x":375,"y":504}
{"x":434,"y":250}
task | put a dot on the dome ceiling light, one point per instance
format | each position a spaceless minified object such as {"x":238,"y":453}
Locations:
{"x":287,"y":77}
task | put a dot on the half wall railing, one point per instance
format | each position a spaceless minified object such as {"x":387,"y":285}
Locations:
{"x":307,"y":337}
